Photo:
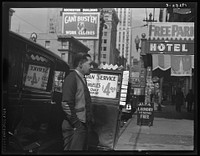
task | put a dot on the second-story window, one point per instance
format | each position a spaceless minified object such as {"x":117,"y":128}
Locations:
{"x":47,"y":44}
{"x":65,"y":45}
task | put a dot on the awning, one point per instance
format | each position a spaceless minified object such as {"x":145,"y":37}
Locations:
{"x":161,"y":61}
{"x":181,"y":65}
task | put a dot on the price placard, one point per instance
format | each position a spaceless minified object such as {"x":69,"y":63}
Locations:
{"x":37,"y":77}
{"x":102,"y":85}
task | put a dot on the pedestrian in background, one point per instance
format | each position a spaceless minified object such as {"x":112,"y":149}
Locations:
{"x":76,"y":104}
{"x":189,"y":99}
{"x":179,"y":99}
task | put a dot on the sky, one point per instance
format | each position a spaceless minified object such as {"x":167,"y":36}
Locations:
{"x":28,"y":20}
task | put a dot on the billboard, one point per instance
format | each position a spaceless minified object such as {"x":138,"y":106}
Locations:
{"x":81,"y":25}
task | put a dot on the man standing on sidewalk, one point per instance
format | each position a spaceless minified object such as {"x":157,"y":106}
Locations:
{"x":189,"y":99}
{"x":76,"y":104}
{"x":179,"y":98}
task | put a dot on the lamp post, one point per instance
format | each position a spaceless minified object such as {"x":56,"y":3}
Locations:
{"x":137,"y":42}
{"x":100,"y":34}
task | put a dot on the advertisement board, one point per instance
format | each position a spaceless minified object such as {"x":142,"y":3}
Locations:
{"x":37,"y":77}
{"x":102,"y":85}
{"x":172,"y":30}
{"x":137,"y":79}
{"x":145,"y":113}
{"x":171,"y":47}
{"x":171,"y":38}
{"x":81,"y":25}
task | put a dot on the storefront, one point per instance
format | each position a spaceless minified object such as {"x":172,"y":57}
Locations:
{"x":171,"y":45}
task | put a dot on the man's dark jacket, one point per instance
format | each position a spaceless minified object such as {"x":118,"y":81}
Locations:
{"x":76,"y":100}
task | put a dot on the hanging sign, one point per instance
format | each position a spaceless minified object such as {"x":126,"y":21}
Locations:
{"x":102,"y":85}
{"x":37,"y":77}
{"x":171,"y":38}
{"x":171,"y":47}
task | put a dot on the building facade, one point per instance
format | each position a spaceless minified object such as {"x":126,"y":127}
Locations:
{"x":65,"y":46}
{"x":173,"y":56}
{"x":109,"y":34}
{"x":124,"y":32}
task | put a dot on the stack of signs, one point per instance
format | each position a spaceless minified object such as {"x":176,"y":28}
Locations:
{"x":149,"y":85}
{"x":142,"y":77}
{"x":135,"y":79}
{"x":124,"y":88}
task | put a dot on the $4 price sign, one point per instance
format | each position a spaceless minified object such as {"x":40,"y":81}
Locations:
{"x":108,"y":89}
{"x":37,"y":77}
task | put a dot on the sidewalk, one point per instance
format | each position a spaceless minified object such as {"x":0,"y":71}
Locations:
{"x":170,"y":131}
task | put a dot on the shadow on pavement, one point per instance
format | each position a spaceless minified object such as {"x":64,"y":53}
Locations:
{"x":169,"y":112}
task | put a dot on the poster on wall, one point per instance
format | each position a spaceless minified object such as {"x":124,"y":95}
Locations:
{"x":37,"y":77}
{"x":102,"y":85}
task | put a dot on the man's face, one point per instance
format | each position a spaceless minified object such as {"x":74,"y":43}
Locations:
{"x":86,"y":66}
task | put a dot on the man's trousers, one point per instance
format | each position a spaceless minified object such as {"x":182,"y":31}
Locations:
{"x":74,"y":139}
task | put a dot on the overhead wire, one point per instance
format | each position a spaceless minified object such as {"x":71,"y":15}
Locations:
{"x":40,"y":31}
{"x":27,"y":22}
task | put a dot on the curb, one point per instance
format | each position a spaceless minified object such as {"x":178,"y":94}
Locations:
{"x":125,"y":126}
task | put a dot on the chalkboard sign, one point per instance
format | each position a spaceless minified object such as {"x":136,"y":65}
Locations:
{"x":145,"y":114}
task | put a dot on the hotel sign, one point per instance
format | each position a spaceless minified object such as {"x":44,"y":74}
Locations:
{"x":171,"y":47}
{"x":171,"y":38}
{"x":81,"y":25}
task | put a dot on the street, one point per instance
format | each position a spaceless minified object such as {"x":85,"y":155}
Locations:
{"x":171,"y":131}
